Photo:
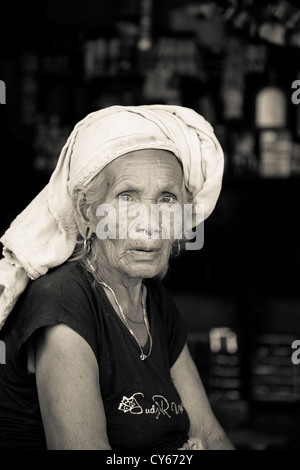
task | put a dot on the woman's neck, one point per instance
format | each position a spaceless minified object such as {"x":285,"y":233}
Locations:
{"x":128,"y":292}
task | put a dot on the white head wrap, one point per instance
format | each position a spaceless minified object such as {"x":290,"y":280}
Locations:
{"x":38,"y":240}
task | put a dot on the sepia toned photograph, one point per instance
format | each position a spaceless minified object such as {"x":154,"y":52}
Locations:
{"x":149,"y":266}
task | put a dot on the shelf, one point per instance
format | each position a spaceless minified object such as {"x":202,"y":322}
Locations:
{"x":255,"y":179}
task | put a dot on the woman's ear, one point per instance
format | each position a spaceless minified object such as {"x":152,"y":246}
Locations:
{"x":83,"y":211}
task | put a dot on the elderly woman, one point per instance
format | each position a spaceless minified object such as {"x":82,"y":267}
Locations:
{"x":96,"y":350}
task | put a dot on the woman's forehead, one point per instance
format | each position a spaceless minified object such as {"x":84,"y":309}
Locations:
{"x":159,"y":163}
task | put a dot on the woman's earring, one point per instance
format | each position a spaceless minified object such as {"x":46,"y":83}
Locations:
{"x":178,"y":250}
{"x":87,"y":242}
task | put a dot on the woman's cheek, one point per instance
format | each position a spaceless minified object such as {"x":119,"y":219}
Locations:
{"x":109,"y":222}
{"x":171,"y":220}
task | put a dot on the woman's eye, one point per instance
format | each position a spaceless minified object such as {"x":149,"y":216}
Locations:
{"x":169,"y":199}
{"x":124,"y":197}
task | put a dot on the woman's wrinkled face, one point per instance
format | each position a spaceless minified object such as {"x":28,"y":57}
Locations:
{"x":133,"y":186}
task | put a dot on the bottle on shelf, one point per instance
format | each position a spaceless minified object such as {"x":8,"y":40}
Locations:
{"x":274,"y":138}
{"x":296,"y":146}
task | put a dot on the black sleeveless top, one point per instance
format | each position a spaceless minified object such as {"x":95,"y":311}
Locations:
{"x":143,"y":409}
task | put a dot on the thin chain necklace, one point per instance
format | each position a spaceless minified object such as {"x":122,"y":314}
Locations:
{"x":135,"y":322}
{"x":143,"y":356}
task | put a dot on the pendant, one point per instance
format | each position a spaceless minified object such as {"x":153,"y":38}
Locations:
{"x":142,"y":357}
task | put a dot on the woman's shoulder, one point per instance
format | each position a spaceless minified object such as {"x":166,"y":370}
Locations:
{"x":63,"y":294}
{"x":64,"y":287}
{"x":69,"y":275}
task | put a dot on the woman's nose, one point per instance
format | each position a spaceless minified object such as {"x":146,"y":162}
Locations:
{"x":148,"y":234}
{"x":148,"y":221}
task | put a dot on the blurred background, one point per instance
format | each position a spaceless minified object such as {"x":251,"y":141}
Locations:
{"x":235,"y":63}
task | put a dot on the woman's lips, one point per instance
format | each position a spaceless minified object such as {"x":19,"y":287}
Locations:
{"x":146,"y":247}
{"x":144,"y":253}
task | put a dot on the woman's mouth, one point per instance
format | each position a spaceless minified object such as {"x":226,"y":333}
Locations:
{"x":145,"y":249}
{"x":144,"y":252}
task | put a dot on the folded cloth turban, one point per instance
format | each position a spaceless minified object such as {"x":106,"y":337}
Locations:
{"x":38,"y":238}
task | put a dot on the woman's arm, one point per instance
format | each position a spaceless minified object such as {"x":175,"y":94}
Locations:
{"x":203,"y":423}
{"x":69,"y":391}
